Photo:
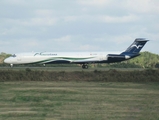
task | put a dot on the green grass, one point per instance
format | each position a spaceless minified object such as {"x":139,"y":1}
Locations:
{"x":78,"y":101}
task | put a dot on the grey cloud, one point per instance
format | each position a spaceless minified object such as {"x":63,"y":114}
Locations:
{"x":77,"y":25}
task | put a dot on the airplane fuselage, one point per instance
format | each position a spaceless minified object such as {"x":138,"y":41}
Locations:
{"x":83,"y":58}
{"x":60,"y":57}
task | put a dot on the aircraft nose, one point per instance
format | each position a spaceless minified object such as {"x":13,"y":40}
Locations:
{"x":7,"y":60}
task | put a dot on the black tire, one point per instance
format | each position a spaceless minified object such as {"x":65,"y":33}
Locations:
{"x":85,"y":66}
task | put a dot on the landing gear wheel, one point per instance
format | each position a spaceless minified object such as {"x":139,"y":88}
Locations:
{"x":84,"y":66}
{"x":11,"y":65}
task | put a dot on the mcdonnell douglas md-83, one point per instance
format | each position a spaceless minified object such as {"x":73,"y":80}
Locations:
{"x":83,"y":58}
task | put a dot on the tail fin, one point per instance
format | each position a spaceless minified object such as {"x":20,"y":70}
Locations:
{"x":131,"y":52}
{"x":136,"y":46}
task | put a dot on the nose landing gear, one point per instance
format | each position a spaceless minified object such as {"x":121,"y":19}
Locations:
{"x":85,"y":66}
{"x":11,"y":65}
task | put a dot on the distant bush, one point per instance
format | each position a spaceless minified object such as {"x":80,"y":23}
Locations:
{"x":157,"y":65}
{"x":28,"y":70}
{"x":111,"y":75}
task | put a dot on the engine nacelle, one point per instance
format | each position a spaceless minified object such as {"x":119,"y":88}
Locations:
{"x":117,"y":57}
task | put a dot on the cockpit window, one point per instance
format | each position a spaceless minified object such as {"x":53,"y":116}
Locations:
{"x":13,"y":55}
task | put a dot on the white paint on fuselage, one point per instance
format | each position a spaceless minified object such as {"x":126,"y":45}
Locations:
{"x":44,"y":57}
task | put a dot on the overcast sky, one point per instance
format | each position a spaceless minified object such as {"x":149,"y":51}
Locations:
{"x":77,"y":25}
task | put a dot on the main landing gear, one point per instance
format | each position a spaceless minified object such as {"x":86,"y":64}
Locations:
{"x":85,"y":66}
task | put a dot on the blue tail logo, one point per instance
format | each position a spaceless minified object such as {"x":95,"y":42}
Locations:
{"x":139,"y":46}
{"x":136,"y":46}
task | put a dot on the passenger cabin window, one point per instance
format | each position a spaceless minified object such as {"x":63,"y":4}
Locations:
{"x":14,"y":55}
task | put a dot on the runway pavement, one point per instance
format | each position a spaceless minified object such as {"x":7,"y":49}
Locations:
{"x":69,"y":68}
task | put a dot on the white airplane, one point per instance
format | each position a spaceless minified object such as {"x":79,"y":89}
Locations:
{"x":83,"y":58}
